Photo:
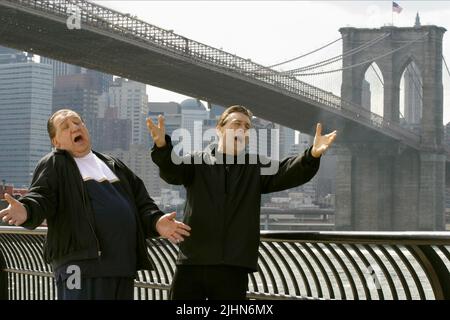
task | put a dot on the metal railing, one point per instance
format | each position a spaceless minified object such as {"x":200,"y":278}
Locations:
{"x":125,"y":25}
{"x":292,"y":265}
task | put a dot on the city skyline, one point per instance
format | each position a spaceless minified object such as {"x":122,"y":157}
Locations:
{"x":108,"y":107}
{"x":139,"y":102}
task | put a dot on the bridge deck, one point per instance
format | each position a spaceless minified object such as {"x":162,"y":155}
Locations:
{"x":117,"y":44}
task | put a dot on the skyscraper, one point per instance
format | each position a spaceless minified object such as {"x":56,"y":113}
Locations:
{"x":25,"y":105}
{"x":79,"y":93}
{"x":171,"y":112}
{"x":102,"y":80}
{"x":267,"y":144}
{"x":287,"y":140}
{"x":131,"y":99}
{"x":172,"y":116}
{"x":366,"y":94}
{"x":61,"y":68}
{"x":193,"y":112}
{"x":8,"y":55}
{"x":413,"y":95}
{"x":110,"y":132}
{"x":164,"y":107}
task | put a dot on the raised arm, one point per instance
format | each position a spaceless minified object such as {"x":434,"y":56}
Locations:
{"x":295,"y":171}
{"x":173,"y":173}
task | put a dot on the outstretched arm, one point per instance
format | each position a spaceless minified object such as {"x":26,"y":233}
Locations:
{"x":15,"y":213}
{"x":172,"y":229}
{"x":295,"y":171}
{"x":162,"y":155}
{"x":39,"y":203}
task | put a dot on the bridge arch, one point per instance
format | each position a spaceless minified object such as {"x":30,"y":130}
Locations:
{"x":372,"y":83}
{"x":411,"y":96}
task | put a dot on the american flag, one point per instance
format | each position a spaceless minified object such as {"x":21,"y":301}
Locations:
{"x":396,"y":7}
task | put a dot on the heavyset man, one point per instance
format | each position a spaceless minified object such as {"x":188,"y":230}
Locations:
{"x":98,"y":214}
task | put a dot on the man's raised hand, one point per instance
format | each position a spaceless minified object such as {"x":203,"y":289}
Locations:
{"x":158,"y":132}
{"x":322,"y":142}
{"x":15,"y":213}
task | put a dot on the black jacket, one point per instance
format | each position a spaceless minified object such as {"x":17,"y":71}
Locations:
{"x":223,"y":202}
{"x":58,"y":194}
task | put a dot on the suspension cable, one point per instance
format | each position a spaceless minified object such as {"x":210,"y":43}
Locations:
{"x":329,"y":60}
{"x":376,"y":73}
{"x":357,"y":64}
{"x":446,"y":66}
{"x":304,"y":55}
{"x":339,"y":57}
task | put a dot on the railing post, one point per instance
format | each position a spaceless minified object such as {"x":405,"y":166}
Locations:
{"x":3,"y":279}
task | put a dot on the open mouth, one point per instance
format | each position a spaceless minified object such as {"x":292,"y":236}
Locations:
{"x":78,"y":138}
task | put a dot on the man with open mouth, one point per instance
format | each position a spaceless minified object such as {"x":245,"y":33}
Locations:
{"x":223,"y":203}
{"x":98,"y":214}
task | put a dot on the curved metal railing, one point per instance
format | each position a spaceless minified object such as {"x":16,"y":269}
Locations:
{"x":357,"y":265}
{"x":295,"y":265}
{"x":131,"y":27}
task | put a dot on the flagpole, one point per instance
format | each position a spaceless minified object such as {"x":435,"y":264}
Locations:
{"x":392,"y":12}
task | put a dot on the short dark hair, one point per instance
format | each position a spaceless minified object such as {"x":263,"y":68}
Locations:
{"x":51,"y":126}
{"x":235,"y":108}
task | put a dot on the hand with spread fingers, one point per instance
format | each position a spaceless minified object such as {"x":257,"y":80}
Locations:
{"x":322,"y":142}
{"x":158,"y":132}
{"x":171,"y":229}
{"x":15,"y":213}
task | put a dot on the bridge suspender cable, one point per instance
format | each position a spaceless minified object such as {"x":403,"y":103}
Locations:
{"x":304,"y":55}
{"x":329,"y":60}
{"x":446,"y":66}
{"x":376,"y":73}
{"x":357,"y":64}
{"x":339,"y":57}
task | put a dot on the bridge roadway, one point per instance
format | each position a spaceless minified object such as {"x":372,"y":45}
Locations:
{"x":189,"y":67}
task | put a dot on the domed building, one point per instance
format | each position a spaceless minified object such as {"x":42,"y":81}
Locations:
{"x":192,"y":104}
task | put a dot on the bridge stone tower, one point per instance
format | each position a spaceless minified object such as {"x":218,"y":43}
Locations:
{"x":389,"y":186}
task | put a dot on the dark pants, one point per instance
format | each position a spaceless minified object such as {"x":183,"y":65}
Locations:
{"x":98,"y":289}
{"x":209,"y":282}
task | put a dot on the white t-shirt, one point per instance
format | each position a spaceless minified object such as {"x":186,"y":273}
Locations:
{"x":92,"y":168}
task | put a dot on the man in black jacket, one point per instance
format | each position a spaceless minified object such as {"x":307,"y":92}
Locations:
{"x":223,"y":203}
{"x":98,"y":214}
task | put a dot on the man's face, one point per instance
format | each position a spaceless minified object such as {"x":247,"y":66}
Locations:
{"x":71,"y":134}
{"x":234,"y":133}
